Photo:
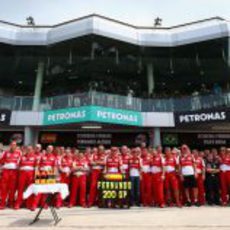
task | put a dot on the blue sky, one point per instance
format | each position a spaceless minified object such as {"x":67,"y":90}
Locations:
{"x":137,"y":12}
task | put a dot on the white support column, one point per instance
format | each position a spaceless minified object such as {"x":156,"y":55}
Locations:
{"x":150,"y":78}
{"x":38,"y":85}
{"x":156,"y":137}
{"x":30,"y":136}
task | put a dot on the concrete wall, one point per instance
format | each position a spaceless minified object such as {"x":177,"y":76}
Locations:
{"x":94,"y":24}
{"x":26,"y":118}
{"x":157,"y":119}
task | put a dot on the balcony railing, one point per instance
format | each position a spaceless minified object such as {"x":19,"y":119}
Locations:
{"x":92,"y":98}
{"x":189,"y":103}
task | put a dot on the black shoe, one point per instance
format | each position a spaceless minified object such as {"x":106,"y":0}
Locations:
{"x":197,"y":204}
{"x":188,"y":204}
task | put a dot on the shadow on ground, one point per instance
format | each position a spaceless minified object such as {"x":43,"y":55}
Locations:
{"x":23,"y":223}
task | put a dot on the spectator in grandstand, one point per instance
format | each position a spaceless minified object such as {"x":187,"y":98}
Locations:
{"x":195,"y":101}
{"x":204,"y":90}
{"x":217,"y":90}
{"x":130,"y":95}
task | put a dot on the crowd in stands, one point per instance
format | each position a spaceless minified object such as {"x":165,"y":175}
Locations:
{"x":160,"y":177}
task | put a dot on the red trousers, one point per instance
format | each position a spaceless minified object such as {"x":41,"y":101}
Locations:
{"x":171,"y":185}
{"x":181,"y":190}
{"x":146,"y":182}
{"x":64,"y":178}
{"x":158,"y":188}
{"x":24,"y":180}
{"x":95,"y":175}
{"x":227,"y":184}
{"x":78,"y":183}
{"x":9,"y":186}
{"x":201,"y":190}
{"x":0,"y":184}
{"x":39,"y":199}
{"x":223,"y":187}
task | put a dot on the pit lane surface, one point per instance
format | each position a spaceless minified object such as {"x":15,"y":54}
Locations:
{"x":134,"y":218}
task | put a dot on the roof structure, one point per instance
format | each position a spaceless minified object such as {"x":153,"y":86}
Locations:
{"x":193,"y":32}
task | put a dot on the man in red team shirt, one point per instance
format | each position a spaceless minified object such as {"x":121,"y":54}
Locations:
{"x":223,"y":167}
{"x":65,"y":168}
{"x":78,"y":180}
{"x":160,"y":150}
{"x":226,"y":179}
{"x":188,"y":175}
{"x":125,"y":156}
{"x":38,"y":151}
{"x":1,"y":153}
{"x":88,"y":154}
{"x":10,"y":162}
{"x":171,"y":182}
{"x":47,"y":163}
{"x":135,"y":173}
{"x":97,"y":166}
{"x":27,"y":165}
{"x":158,"y":176}
{"x":200,"y":170}
{"x":146,"y":180}
{"x":113,"y":162}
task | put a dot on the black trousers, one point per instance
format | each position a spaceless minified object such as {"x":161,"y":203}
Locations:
{"x":135,"y":191}
{"x":212,"y":184}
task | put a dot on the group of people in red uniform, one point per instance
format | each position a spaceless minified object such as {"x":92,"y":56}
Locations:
{"x":169,"y":177}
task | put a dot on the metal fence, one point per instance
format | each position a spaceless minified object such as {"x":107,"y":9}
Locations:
{"x":16,"y":103}
{"x":92,"y":98}
{"x":189,"y":103}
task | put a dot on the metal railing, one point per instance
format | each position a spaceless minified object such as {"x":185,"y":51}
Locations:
{"x":189,"y":103}
{"x":16,"y":103}
{"x":92,"y":98}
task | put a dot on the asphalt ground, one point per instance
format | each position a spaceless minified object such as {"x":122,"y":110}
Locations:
{"x":134,"y":218}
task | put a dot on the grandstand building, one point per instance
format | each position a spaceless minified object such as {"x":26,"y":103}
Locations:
{"x":95,"y":80}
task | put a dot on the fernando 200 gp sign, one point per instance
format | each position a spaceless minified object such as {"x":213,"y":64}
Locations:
{"x":114,"y":194}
